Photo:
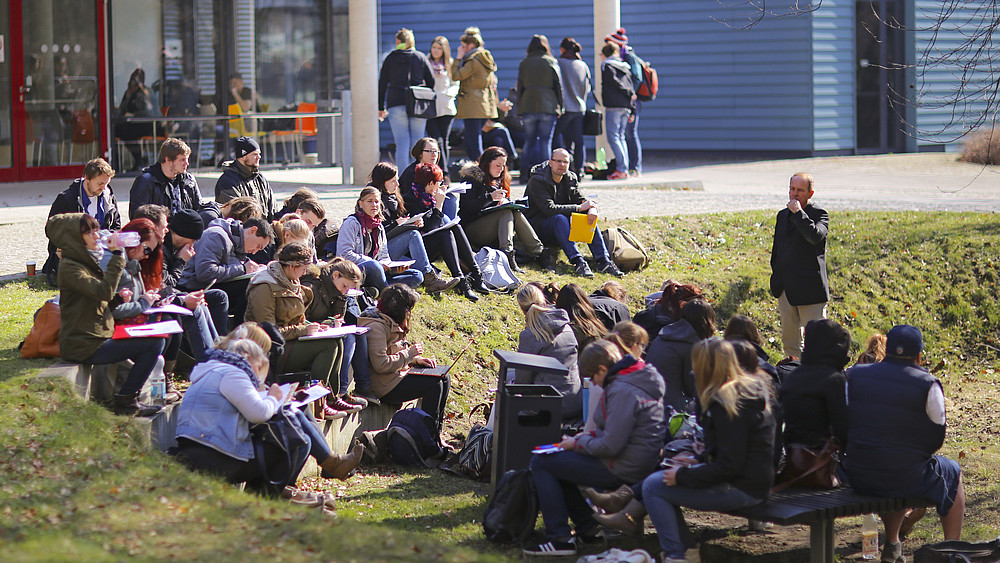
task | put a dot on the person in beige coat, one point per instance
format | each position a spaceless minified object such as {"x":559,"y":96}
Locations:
{"x":475,"y":71}
{"x":390,"y":356}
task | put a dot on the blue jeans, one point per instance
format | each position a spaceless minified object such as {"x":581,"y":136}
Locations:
{"x":377,"y":277}
{"x":555,"y":230}
{"x":663,"y":503}
{"x":218,"y":306}
{"x":199,"y":331}
{"x":556,"y":478}
{"x":410,"y":244}
{"x":318,"y":448}
{"x":632,"y":141}
{"x":570,"y":137}
{"x":500,"y":137}
{"x":405,"y":132}
{"x":472,"y":139}
{"x":450,"y":205}
{"x":538,"y":131}
{"x":355,"y":356}
{"x":615,"y":124}
{"x":142,"y":351}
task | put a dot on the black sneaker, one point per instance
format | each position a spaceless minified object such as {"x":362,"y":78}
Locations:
{"x":582,"y":269}
{"x":609,"y":267}
{"x":595,"y":536}
{"x":551,"y":548}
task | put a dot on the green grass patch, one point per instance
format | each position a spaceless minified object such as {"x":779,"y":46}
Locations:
{"x":78,"y":481}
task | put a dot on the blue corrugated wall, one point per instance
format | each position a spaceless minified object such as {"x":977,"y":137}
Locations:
{"x":833,"y":74}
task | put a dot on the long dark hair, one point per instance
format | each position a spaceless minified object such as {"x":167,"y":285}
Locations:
{"x":488,"y":156}
{"x":382,"y":173}
{"x":397,"y":302}
{"x":539,"y":44}
{"x":581,"y":312}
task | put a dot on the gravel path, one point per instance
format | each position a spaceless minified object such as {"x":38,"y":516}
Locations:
{"x":909,"y":182}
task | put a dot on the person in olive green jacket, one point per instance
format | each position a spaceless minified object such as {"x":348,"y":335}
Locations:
{"x":539,"y":102}
{"x":84,"y":295}
{"x":475,"y":70}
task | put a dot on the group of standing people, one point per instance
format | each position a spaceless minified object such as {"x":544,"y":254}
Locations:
{"x":546,"y":106}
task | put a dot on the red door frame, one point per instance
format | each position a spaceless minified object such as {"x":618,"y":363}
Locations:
{"x":20,"y":171}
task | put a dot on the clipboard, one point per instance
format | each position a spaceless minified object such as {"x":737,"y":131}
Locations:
{"x":580,"y":229}
{"x":151,"y":330}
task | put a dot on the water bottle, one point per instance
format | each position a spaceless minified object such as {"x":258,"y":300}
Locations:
{"x":586,"y":399}
{"x":126,"y":239}
{"x":158,"y":384}
{"x":602,"y":159}
{"x":869,"y":537}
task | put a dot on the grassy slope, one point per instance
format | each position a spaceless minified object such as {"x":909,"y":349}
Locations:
{"x":937,"y":271}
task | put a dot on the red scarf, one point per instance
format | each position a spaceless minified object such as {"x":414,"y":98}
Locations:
{"x":370,"y":227}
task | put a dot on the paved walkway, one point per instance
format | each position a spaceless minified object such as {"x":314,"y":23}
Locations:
{"x":929,"y":181}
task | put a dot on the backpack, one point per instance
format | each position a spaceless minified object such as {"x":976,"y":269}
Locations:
{"x":955,"y":551}
{"x":475,"y":459}
{"x":646,"y":92}
{"x":412,"y":439}
{"x":625,"y":250}
{"x":496,"y":270}
{"x":511,"y":513}
{"x":43,"y":340}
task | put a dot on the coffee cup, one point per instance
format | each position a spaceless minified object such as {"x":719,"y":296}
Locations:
{"x":30,"y":266}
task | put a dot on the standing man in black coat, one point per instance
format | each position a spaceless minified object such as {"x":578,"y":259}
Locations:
{"x":798,"y":263}
{"x":91,"y":195}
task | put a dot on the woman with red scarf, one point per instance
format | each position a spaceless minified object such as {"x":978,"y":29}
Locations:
{"x":426,"y":197}
{"x":362,"y":241}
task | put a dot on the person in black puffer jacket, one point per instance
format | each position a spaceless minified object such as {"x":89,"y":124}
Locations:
{"x":168,"y":183}
{"x":241,"y":177}
{"x":670,"y":352}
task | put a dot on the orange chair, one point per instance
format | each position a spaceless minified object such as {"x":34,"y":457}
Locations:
{"x":83,"y":134}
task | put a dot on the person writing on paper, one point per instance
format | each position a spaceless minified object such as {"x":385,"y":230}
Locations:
{"x":486,"y":226}
{"x":85,"y":292}
{"x":362,"y":240}
{"x":426,"y":196}
{"x":221,"y":257}
{"x":276,"y":296}
{"x":332,"y":284}
{"x":404,"y":239}
{"x":623,"y":448}
{"x":547,"y":332}
{"x":390,"y":356}
{"x":553,"y":197}
{"x":226,"y":396}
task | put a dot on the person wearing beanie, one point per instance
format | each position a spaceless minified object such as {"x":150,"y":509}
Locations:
{"x":896,"y":423}
{"x":635,"y":65}
{"x":241,"y":177}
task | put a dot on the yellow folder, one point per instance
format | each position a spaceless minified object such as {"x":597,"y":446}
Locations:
{"x":581,"y":229}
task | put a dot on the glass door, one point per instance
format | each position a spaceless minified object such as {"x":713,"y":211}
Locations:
{"x":8,"y":170}
{"x":56,"y":71}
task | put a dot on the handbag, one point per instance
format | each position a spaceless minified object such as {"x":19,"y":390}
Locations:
{"x":43,"y":340}
{"x":808,"y":468}
{"x":593,"y":119}
{"x":284,"y":432}
{"x":955,"y":551}
{"x":421,"y":102}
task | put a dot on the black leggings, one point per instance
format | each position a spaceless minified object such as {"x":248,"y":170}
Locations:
{"x":452,"y":245}
{"x":200,"y":457}
{"x":433,"y":391}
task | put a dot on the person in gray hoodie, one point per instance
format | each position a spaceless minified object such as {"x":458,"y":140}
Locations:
{"x":670,"y":352}
{"x":623,"y":448}
{"x":548,"y":332}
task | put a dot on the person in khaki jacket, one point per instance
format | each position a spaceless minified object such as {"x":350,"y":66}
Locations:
{"x":390,"y":356}
{"x":276,"y":296}
{"x":475,"y":71}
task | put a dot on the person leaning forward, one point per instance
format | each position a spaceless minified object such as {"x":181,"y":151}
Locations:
{"x":798,"y":263}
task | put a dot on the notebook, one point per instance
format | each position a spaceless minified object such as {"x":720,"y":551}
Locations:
{"x":581,"y":229}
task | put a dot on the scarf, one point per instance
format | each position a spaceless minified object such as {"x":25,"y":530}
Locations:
{"x":422,"y":195}
{"x":98,"y":208}
{"x":369,"y":227}
{"x":226,"y":357}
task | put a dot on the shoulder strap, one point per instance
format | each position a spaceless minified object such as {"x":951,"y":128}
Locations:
{"x":394,"y":430}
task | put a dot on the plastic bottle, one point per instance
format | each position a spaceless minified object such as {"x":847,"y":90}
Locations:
{"x":157,"y":384}
{"x":586,"y":399}
{"x":602,"y":159}
{"x":126,"y":239}
{"x":869,"y":537}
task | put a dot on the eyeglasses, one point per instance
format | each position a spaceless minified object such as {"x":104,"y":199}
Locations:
{"x":432,"y":151}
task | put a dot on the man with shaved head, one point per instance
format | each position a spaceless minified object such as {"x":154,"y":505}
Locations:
{"x":553,"y":197}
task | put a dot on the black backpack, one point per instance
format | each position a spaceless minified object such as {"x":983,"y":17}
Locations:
{"x":510,"y":516}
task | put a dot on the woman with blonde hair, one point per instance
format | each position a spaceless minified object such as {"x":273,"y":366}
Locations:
{"x":623,"y":447}
{"x":445,"y":90}
{"x":547,"y":332}
{"x":734,"y":470}
{"x":475,"y":70}
{"x":403,"y":67}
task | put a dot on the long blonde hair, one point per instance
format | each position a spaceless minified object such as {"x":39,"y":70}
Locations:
{"x":533,"y":304}
{"x":719,"y":378}
{"x":248,"y":330}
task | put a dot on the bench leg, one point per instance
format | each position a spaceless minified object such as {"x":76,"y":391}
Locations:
{"x":821,"y":542}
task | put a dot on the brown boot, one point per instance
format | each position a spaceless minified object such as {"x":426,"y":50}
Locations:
{"x":434,"y":283}
{"x":610,"y":502}
{"x":342,"y":466}
{"x":627,"y":521}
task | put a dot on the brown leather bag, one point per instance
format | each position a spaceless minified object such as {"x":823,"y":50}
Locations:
{"x":809,"y":468}
{"x":43,"y":340}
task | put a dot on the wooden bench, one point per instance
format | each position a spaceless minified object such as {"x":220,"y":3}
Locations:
{"x":819,"y":509}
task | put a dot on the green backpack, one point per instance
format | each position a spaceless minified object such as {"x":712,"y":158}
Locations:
{"x":626,"y":251}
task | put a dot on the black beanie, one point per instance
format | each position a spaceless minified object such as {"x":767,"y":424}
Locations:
{"x":187,"y":223}
{"x":245,"y":146}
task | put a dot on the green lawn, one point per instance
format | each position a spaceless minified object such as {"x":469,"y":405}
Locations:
{"x":77,"y":484}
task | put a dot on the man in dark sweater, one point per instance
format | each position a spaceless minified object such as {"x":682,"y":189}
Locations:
{"x":798,"y":263}
{"x":553,"y":197}
{"x":896,"y":423}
